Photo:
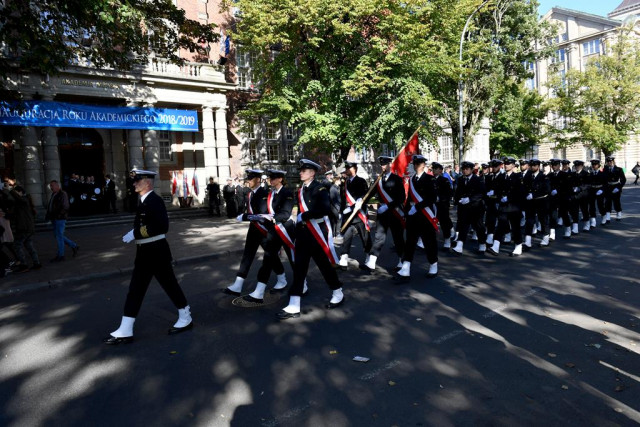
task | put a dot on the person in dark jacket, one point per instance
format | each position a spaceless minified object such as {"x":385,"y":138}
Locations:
{"x":109,"y":195}
{"x":469,"y":197}
{"x":596,"y":193}
{"x":580,"y":183}
{"x":508,"y":191}
{"x":229,"y":195}
{"x":313,"y":240}
{"x":559,"y":185}
{"x":153,"y":259}
{"x":57,"y":213}
{"x":444,"y":192}
{"x":23,"y":224}
{"x":390,"y":191}
{"x":354,"y":191}
{"x":536,"y":203}
{"x":333,"y":185}
{"x":615,"y":179}
{"x":213,"y":193}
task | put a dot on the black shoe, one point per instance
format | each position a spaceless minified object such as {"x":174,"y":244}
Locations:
{"x":58,"y":259}
{"x":173,"y":330}
{"x":282,"y":315}
{"x":21,"y":268}
{"x":277,"y":291}
{"x":75,"y":250}
{"x":366,"y":269}
{"x":396,"y":269}
{"x":249,"y":298}
{"x":111,"y":340}
{"x":431,"y":275}
{"x":333,"y":305}
{"x":37,"y":266}
{"x":230,"y":292}
{"x":401,"y":279}
{"x":492,"y":252}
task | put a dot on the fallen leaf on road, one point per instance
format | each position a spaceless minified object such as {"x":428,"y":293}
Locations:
{"x":620,"y":388}
{"x":333,"y":352}
{"x":564,"y":387}
{"x":173,"y":352}
{"x":441,"y":386}
{"x":569,"y":365}
{"x":552,"y":354}
{"x":392,"y":383}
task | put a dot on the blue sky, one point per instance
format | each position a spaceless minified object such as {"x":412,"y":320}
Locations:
{"x":597,"y":7}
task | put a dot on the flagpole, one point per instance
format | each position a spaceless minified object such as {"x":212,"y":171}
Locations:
{"x":366,"y":196}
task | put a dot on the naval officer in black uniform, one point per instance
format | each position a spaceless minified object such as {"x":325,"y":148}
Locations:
{"x":313,"y":240}
{"x":355,"y":188}
{"x":153,"y":259}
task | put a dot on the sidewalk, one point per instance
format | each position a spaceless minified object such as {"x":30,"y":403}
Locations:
{"x":102,"y":253}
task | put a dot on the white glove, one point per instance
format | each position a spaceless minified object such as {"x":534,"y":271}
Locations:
{"x":490,"y":193}
{"x":464,"y":200}
{"x":504,"y":199}
{"x":383,"y":208}
{"x":299,"y":218}
{"x":615,"y":190}
{"x":267,"y":217}
{"x":413,"y":210}
{"x":529,"y":196}
{"x":576,"y":189}
{"x":129,"y":237}
{"x":239,"y":217}
{"x":358,"y":204}
{"x":258,"y":218}
{"x":554,"y":192}
{"x":346,"y":211}
{"x":599,"y":193}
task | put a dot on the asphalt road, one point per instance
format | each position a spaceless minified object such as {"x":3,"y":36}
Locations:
{"x":550,"y":338}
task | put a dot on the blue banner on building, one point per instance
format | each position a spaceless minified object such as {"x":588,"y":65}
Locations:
{"x":61,"y":114}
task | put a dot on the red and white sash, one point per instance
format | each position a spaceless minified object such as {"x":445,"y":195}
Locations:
{"x":397,"y":212}
{"x":280,"y":229}
{"x":426,"y":211}
{"x":314,"y":228}
{"x":362,"y":214}
{"x":261,"y":228}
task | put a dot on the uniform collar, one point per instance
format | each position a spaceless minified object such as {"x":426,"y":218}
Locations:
{"x":145,"y":196}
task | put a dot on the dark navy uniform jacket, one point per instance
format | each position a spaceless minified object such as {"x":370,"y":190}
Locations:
{"x":425,"y":187}
{"x":538,"y":186}
{"x":614,"y":178}
{"x":258,"y":202}
{"x":394,"y":187}
{"x":316,"y":198}
{"x":473,"y":188}
{"x":151,"y":217}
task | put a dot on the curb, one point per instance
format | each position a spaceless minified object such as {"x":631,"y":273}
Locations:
{"x":70,"y":281}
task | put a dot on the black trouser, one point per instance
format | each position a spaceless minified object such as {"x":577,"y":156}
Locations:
{"x":214,"y":207}
{"x":271,"y":260}
{"x":365,"y":237}
{"x":232,"y":208}
{"x":254,"y":240}
{"x":152,"y":260}
{"x":470,"y":215}
{"x":537,"y":208}
{"x":418,"y":226}
{"x":387,"y":221}
{"x":444,"y":218}
{"x":307,"y":247}
{"x":613,"y":201}
{"x":555,"y":211}
{"x":564,"y":212}
{"x":594,"y":200}
{"x":509,"y":222}
{"x":491,"y":216}
{"x":578,"y":205}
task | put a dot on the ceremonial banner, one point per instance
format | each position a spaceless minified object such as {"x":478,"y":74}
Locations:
{"x":62,"y":114}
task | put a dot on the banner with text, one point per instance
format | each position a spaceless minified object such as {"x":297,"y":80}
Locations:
{"x":61,"y":114}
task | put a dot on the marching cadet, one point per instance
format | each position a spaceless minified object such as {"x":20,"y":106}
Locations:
{"x":280,"y":232}
{"x":596,"y":193}
{"x":390,"y":190}
{"x":421,"y":220}
{"x":536,"y":190}
{"x":509,"y":192}
{"x":558,"y":210}
{"x":492,"y":200}
{"x":615,"y":179}
{"x":444,"y":191}
{"x":566,"y":166}
{"x":469,"y":197}
{"x":313,"y":240}
{"x":354,"y":190}
{"x":257,"y":214}
{"x":153,"y":259}
{"x":524,"y":166}
{"x":580,"y":191}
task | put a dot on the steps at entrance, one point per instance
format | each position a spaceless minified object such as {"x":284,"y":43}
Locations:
{"x":120,"y":218}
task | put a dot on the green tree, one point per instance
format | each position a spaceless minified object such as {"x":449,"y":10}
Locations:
{"x":517,"y":121}
{"x":503,"y":36}
{"x":601,"y":106}
{"x":347,"y":73}
{"x":45,"y":36}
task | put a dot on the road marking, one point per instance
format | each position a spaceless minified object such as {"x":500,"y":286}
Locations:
{"x":373,"y":374}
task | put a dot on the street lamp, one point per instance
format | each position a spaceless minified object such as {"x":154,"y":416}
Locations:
{"x":460,"y":85}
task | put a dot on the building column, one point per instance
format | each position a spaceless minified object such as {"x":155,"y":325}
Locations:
{"x":152,"y":156}
{"x":134,"y":144}
{"x":209,"y":143}
{"x":222,"y":144}
{"x":51,"y":158}
{"x":32,"y":164}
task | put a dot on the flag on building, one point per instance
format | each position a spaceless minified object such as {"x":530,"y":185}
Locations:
{"x":174,"y":183}
{"x":194,"y":183}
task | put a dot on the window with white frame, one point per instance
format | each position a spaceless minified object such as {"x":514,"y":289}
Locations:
{"x":164,"y":145}
{"x":559,"y":56}
{"x":271,"y":131}
{"x":290,"y":133}
{"x":253,"y":151}
{"x":273,"y":152}
{"x":591,"y":47}
{"x":530,"y":83}
{"x":292,"y":154}
{"x":244,"y":61}
{"x":446,"y":148}
{"x":363,"y":155}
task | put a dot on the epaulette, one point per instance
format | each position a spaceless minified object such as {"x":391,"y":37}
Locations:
{"x":322,"y":188}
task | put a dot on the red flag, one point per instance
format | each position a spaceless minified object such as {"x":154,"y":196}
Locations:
{"x":174,"y":183}
{"x":400,"y":165}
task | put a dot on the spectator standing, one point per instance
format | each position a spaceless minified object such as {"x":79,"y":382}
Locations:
{"x":132,"y":196}
{"x":109,"y":193}
{"x":636,"y":172}
{"x":57,"y":213}
{"x":23,"y":223}
{"x":213,"y":191}
{"x":229,"y":195}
